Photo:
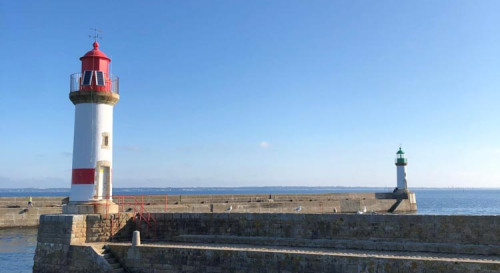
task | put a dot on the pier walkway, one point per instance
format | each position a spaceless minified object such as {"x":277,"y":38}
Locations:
{"x":193,"y":257}
{"x":330,"y":252}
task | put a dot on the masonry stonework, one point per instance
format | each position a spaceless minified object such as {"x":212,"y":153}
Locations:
{"x":269,"y":242}
{"x":62,"y":238}
{"x":193,"y":260}
{"x":15,"y":213}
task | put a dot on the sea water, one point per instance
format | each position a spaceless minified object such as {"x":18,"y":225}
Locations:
{"x":17,"y":249}
{"x":17,"y":246}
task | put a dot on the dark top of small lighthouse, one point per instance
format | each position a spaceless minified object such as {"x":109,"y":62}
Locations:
{"x":95,"y":53}
{"x":400,"y":158}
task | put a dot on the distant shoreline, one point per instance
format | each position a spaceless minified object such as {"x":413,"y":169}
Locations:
{"x":259,"y":187}
{"x":63,"y":192}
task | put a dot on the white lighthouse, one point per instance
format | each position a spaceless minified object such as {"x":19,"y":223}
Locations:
{"x":401,"y":163}
{"x":94,"y":92}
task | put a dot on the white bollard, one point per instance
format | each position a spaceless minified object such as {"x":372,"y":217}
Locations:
{"x":136,"y":238}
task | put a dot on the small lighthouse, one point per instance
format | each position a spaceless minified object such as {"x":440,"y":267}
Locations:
{"x":94,"y":92}
{"x":401,"y":163}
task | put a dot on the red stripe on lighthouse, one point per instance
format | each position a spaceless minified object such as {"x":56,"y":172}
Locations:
{"x":82,"y":176}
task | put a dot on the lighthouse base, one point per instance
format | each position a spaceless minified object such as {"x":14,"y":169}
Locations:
{"x":403,"y":193}
{"x":102,"y":207}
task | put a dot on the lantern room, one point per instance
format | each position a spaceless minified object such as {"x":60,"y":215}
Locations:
{"x":94,"y":75}
{"x":400,"y":157}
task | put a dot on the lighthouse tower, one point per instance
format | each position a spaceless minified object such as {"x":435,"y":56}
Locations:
{"x":94,"y":92}
{"x":401,"y":163}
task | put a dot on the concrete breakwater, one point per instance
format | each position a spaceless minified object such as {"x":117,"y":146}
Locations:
{"x":269,"y":242}
{"x":14,"y":211}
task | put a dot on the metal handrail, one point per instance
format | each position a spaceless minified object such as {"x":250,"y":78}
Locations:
{"x":135,"y":200}
{"x":111,"y":83}
{"x":140,"y":212}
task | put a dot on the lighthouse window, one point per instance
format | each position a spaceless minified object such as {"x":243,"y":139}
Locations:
{"x":105,"y":141}
{"x":87,"y":77}
{"x":99,"y":78}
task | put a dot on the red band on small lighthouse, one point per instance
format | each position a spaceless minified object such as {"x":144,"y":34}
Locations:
{"x":83,"y":176}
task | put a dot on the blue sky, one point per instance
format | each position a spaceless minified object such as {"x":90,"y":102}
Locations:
{"x":259,"y":93}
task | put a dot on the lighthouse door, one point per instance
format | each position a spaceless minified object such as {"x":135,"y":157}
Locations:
{"x":103,"y":186}
{"x":106,"y":179}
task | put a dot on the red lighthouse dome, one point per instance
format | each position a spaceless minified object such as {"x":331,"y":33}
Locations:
{"x":95,"y":70}
{"x":94,"y":83}
{"x":95,"y":53}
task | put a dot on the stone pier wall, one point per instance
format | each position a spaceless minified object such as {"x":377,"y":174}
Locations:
{"x":192,"y":260}
{"x":60,"y":238}
{"x":246,"y":242}
{"x":277,"y":203}
{"x":14,"y":211}
{"x":428,"y":233}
